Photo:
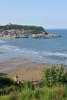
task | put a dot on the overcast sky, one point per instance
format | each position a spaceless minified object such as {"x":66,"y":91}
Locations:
{"x":46,"y":13}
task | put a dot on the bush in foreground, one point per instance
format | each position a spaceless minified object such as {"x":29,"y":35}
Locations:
{"x":55,"y":75}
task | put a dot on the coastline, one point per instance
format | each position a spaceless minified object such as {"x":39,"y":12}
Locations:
{"x":26,"y":70}
{"x":40,"y":36}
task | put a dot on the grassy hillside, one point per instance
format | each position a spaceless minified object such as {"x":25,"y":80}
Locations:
{"x":32,"y":29}
{"x":53,"y":86}
{"x":45,"y":93}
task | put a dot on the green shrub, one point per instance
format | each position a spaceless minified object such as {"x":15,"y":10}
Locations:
{"x":55,"y":75}
{"x":5,"y":82}
{"x":41,"y":83}
{"x":64,"y":78}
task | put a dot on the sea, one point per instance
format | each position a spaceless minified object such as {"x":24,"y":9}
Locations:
{"x":53,"y":51}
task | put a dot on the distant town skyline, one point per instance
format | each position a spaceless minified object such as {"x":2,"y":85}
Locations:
{"x":46,"y":13}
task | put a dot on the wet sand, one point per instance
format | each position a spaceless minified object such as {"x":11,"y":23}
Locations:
{"x":11,"y":60}
{"x":2,"y":53}
{"x":25,"y":70}
{"x":29,"y":71}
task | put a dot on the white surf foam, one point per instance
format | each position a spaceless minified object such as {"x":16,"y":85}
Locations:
{"x":8,"y":47}
{"x":32,"y":53}
{"x":60,"y":54}
{"x":1,"y":41}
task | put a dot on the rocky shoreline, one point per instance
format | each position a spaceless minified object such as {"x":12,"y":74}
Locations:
{"x":48,"y":36}
{"x":37,"y":36}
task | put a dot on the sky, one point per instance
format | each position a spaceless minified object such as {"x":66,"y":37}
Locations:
{"x":46,"y":13}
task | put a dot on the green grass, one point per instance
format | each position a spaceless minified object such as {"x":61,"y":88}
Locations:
{"x":45,"y":93}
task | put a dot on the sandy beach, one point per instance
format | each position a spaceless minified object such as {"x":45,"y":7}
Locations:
{"x":2,"y":53}
{"x":29,"y":71}
{"x":25,"y":70}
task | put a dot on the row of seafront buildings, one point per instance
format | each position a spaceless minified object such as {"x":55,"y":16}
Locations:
{"x":14,"y":33}
{"x":20,"y":33}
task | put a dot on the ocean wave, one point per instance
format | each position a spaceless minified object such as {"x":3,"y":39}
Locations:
{"x":33,"y":53}
{"x":60,"y":54}
{"x":9,"y":47}
{"x":1,"y":41}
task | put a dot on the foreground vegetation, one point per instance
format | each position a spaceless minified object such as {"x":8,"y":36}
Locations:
{"x":53,"y":86}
